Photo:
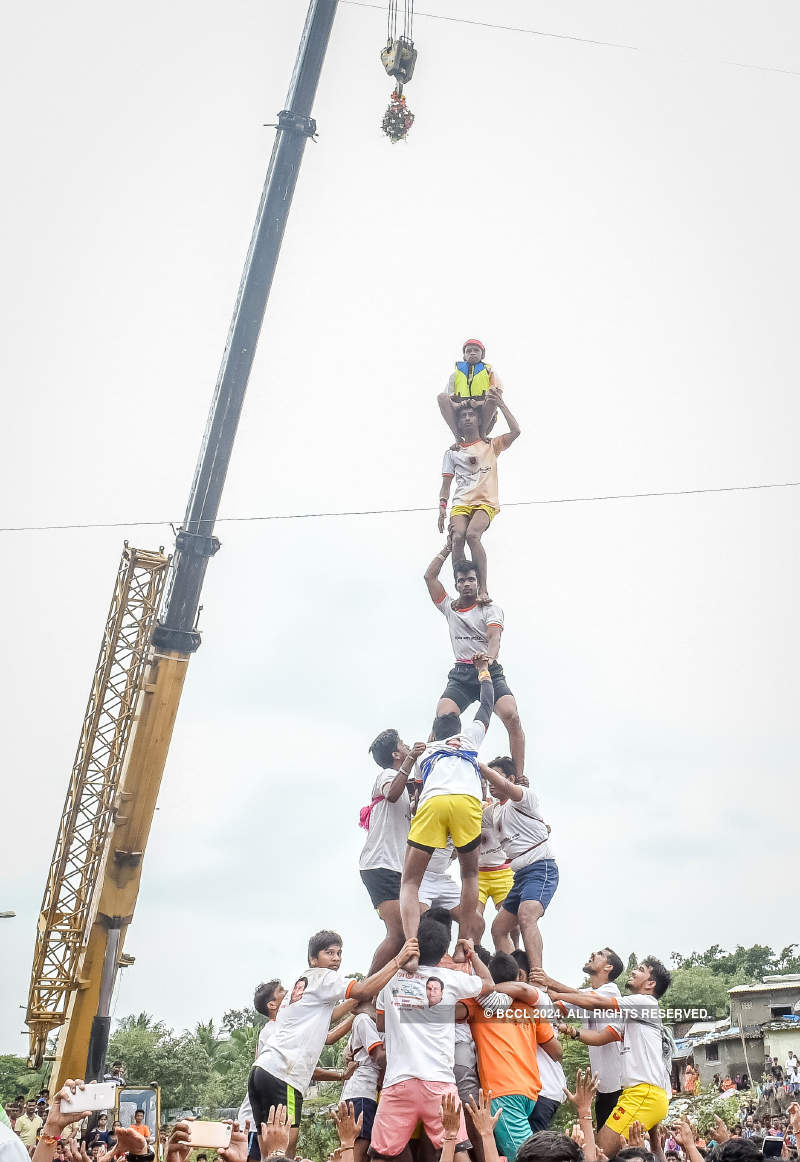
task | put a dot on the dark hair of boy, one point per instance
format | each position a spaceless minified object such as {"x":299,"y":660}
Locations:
{"x":660,"y":975}
{"x":263,"y":995}
{"x":383,"y":748}
{"x":326,"y":938}
{"x":503,"y":967}
{"x":549,"y":1146}
{"x":434,"y":940}
{"x":445,"y":726}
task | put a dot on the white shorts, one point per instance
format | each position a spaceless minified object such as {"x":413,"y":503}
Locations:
{"x":439,"y":891}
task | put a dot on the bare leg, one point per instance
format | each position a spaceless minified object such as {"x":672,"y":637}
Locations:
{"x":447,"y":706}
{"x":459,"y":526}
{"x":506,"y":710}
{"x":468,"y":924}
{"x":360,"y":1150}
{"x":504,"y":924}
{"x":389,"y":912}
{"x":478,"y":524}
{"x":530,"y":913}
{"x":449,"y":411}
{"x":413,"y":871}
{"x":609,"y":1140}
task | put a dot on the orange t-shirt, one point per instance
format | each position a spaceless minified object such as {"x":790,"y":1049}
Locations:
{"x":143,"y":1129}
{"x":506,"y":1043}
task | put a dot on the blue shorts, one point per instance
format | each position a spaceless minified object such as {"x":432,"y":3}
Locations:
{"x":537,"y":881}
{"x":367,"y":1107}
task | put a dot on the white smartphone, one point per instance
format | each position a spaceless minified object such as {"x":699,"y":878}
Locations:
{"x":212,"y":1135}
{"x":96,"y":1095}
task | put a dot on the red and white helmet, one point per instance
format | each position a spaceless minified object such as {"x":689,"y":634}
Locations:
{"x":474,"y":343}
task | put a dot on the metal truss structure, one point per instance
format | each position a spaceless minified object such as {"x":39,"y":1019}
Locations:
{"x":92,"y":798}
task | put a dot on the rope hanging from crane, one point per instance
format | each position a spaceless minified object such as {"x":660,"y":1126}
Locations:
{"x":398,"y":58}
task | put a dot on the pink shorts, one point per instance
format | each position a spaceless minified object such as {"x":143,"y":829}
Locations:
{"x":403,"y":1105}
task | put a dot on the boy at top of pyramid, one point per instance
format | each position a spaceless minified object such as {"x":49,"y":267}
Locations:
{"x":468,"y":387}
{"x":472,"y":464}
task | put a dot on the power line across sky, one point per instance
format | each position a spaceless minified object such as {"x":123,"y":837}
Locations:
{"x":567,"y":36}
{"x":120,"y":524}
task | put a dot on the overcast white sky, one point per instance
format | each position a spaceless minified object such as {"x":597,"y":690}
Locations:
{"x":621,"y":230}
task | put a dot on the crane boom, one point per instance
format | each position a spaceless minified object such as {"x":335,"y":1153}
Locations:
{"x":108,"y":903}
{"x":92,"y":795}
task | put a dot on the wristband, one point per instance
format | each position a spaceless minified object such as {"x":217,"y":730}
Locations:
{"x":442,"y":503}
{"x":484,"y":676}
{"x":48,"y":1141}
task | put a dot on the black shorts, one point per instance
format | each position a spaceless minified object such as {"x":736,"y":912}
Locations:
{"x":604,"y":1104}
{"x":463,"y":686}
{"x":382,"y":884}
{"x":264,"y":1091}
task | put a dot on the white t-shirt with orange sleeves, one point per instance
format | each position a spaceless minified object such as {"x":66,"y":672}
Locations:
{"x":474,"y":467}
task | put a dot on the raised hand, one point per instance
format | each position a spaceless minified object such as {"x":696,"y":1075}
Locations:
{"x":274,"y":1135}
{"x":409,"y":951}
{"x":57,"y":1119}
{"x":179,"y":1143}
{"x":636,"y":1135}
{"x":451,"y":1115}
{"x":585,"y":1088}
{"x":347,"y":1125}
{"x":721,"y":1131}
{"x":684,"y":1134}
{"x":481,"y":1113}
{"x":237,"y":1149}
{"x":131,"y":1141}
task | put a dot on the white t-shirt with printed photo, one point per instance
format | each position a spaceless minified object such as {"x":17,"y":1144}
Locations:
{"x":452,"y":775}
{"x":385,"y":845}
{"x":364,"y":1082}
{"x":302,"y":1025}
{"x":523,"y":831}
{"x":491,"y":854}
{"x":420,"y":1022}
{"x":469,"y":628}
{"x":641,"y":1059}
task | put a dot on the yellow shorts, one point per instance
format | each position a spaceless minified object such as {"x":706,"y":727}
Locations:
{"x":469,"y":509}
{"x":496,"y":884}
{"x":643,"y":1103}
{"x":459,"y":816}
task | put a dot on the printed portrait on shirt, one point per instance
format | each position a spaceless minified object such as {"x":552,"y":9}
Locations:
{"x":298,"y":990}
{"x":434,"y":990}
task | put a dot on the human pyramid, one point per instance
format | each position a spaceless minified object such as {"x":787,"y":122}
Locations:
{"x":433,"y":1032}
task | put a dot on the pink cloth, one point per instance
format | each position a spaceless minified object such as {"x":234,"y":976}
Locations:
{"x":402,"y":1106}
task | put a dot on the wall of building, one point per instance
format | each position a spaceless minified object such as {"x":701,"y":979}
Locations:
{"x":778,"y":1042}
{"x":756,"y":1008}
{"x":731,"y":1058}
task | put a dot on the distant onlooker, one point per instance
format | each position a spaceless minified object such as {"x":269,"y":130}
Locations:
{"x":116,"y":1074}
{"x":28,"y":1125}
{"x":139,"y":1125}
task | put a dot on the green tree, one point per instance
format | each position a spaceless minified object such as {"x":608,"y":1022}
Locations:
{"x":697,"y":986}
{"x":151,"y":1052}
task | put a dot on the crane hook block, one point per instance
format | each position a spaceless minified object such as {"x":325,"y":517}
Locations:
{"x":399,"y":58}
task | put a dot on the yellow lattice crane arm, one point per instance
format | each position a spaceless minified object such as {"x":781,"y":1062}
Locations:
{"x":92,"y":800}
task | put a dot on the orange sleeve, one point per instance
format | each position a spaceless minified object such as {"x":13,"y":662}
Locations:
{"x":544,"y":1032}
{"x":614,"y":1003}
{"x":348,"y":989}
{"x":562,"y":1006}
{"x":375,"y":1045}
{"x":616,"y":1032}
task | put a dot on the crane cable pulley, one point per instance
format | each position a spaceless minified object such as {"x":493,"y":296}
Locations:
{"x":398,"y":58}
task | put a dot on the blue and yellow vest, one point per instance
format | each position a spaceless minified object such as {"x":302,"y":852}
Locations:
{"x":471,"y":380}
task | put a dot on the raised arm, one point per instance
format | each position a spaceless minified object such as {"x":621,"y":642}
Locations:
{"x":500,"y":783}
{"x":435,"y":587}
{"x":370,"y":986}
{"x":341,"y":1030}
{"x":400,"y":781}
{"x":493,"y":639}
{"x":444,"y":495}
{"x":478,"y":967}
{"x":486,"y":707}
{"x":513,"y":427}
